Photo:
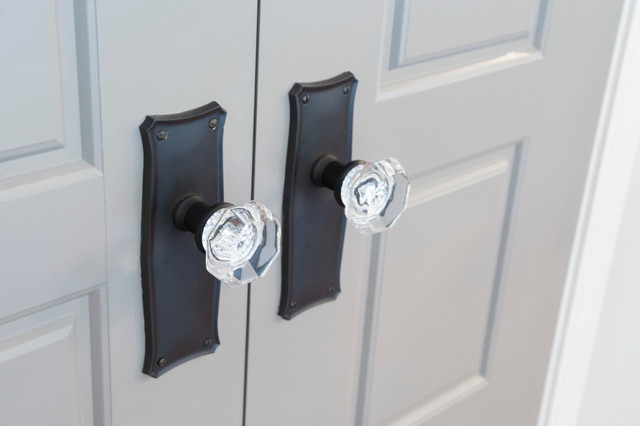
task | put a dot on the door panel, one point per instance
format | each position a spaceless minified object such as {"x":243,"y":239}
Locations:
{"x":450,"y":318}
{"x":43,"y":128}
{"x":426,"y":37}
{"x":46,"y":366}
{"x":447,"y":319}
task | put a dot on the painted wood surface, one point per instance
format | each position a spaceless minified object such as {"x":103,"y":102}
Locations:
{"x":77,"y":80}
{"x":446,"y":320}
{"x":449,"y":318}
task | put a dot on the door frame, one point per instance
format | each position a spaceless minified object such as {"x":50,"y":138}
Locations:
{"x":610,"y":172}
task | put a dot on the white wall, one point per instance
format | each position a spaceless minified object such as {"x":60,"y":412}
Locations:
{"x":612,"y":391}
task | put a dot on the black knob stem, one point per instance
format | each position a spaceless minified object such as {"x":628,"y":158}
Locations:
{"x":329,"y":172}
{"x":197,"y":213}
{"x":191,"y":214}
{"x":332,"y":174}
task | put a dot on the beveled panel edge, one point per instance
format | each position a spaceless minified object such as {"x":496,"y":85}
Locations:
{"x":447,"y":398}
{"x":36,"y":337}
{"x":462,"y":49}
{"x":509,"y":217}
{"x":88,"y":81}
{"x":32,"y":149}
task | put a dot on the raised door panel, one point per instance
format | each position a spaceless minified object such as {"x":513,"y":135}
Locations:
{"x":430,"y":37}
{"x":44,"y":85}
{"x":52,"y":236}
{"x":435,"y":29}
{"x":46,"y":366}
{"x":439,"y":286}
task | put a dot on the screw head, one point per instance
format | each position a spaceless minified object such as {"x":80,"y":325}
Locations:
{"x":207,"y":342}
{"x":293,"y":305}
{"x":305,"y":99}
{"x":346,"y":90}
{"x":213,"y":123}
{"x":162,"y":135}
{"x":330,"y":290}
{"x":162,"y":362}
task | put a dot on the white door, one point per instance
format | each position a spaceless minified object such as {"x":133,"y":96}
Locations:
{"x":448,"y":318}
{"x":445,"y":320}
{"x":77,"y":78}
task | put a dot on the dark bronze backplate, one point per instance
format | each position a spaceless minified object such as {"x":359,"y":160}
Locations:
{"x":313,"y":223}
{"x":182,"y":157}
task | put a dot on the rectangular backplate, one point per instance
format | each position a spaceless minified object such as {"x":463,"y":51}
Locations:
{"x":182,"y":157}
{"x":313,"y":222}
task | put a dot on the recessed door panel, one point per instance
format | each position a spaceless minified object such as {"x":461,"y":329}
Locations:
{"x":45,"y":84}
{"x":47,"y":366}
{"x":440,"y":286}
{"x":425,"y":37}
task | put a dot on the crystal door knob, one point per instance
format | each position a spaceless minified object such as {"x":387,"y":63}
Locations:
{"x":240,"y":242}
{"x":374,"y":194}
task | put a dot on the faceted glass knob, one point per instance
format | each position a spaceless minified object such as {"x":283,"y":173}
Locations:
{"x":375,"y":194}
{"x":241,"y":242}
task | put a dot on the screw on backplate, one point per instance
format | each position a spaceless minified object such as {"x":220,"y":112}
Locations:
{"x":162,"y":362}
{"x":305,"y":99}
{"x":207,"y":342}
{"x":330,"y":290}
{"x":213,"y":124}
{"x":162,"y":135}
{"x":346,"y":90}
{"x":293,"y":305}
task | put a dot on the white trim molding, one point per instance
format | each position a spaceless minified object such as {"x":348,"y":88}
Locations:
{"x":617,"y":140}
